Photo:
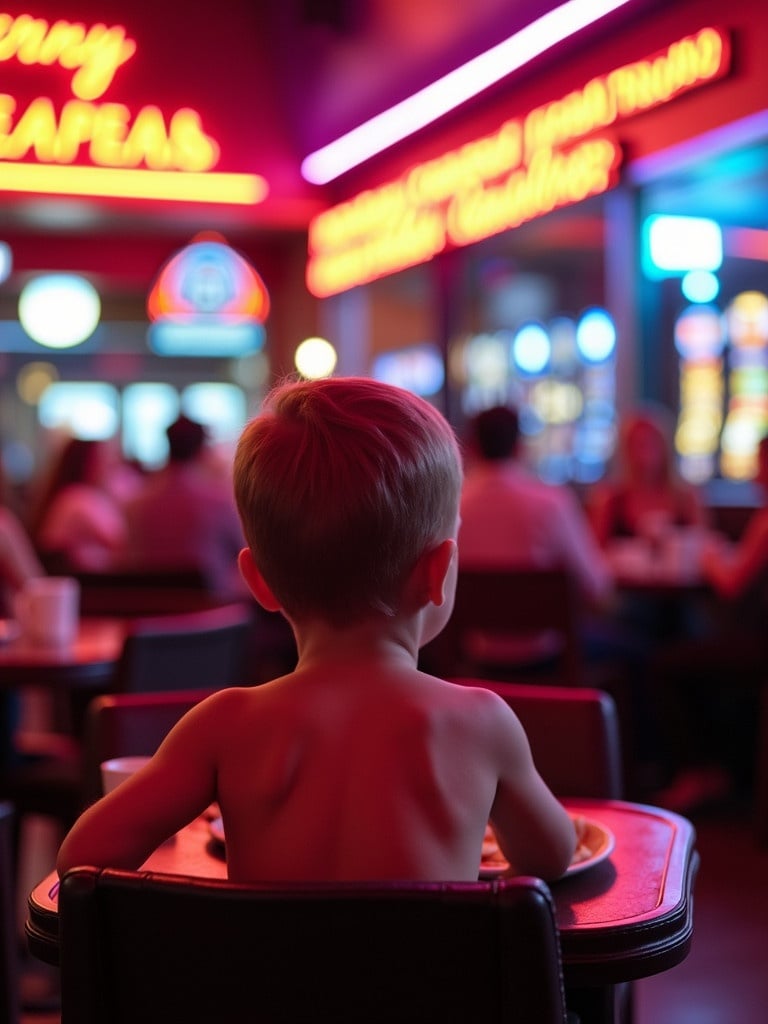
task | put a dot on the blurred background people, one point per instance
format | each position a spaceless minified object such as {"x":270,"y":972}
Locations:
{"x":18,"y":559}
{"x":510,"y":518}
{"x":184,"y":516}
{"x":76,"y":521}
{"x":708,"y":684}
{"x":645,"y":496}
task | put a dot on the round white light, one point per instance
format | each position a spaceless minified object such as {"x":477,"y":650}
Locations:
{"x":596,"y":335}
{"x":315,"y":358}
{"x":59,"y":310}
{"x":531,"y":349}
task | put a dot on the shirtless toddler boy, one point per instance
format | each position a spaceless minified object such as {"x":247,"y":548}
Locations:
{"x":356,"y":765}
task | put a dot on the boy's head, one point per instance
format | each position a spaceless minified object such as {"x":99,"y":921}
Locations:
{"x":341,"y":485}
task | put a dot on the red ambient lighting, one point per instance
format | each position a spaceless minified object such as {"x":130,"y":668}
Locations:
{"x":134,"y":154}
{"x":553,"y":156}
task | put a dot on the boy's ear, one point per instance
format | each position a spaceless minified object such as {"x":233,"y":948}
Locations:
{"x":256,"y":582}
{"x":435,"y":566}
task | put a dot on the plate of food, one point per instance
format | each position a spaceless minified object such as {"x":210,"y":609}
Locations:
{"x":596,"y":843}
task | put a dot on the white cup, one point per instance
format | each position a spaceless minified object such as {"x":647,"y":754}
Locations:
{"x":118,"y":769}
{"x":48,"y":609}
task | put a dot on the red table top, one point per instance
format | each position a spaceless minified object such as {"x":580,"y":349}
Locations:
{"x":627,"y":917}
{"x":90,"y":659}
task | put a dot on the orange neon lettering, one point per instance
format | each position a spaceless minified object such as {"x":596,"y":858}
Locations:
{"x":34,"y":131}
{"x":551,"y":181}
{"x":95,"y":54}
{"x":415,"y":239}
{"x":110,"y":130}
{"x":482,"y":160}
{"x":106,"y":128}
{"x":192,"y":149}
{"x":147,"y":141}
{"x":76,"y":127}
{"x":626,"y":90}
{"x":7,"y":110}
{"x":369,"y":211}
{"x":498,"y":181}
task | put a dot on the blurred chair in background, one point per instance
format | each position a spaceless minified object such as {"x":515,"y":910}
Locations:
{"x":129,"y":724}
{"x":574,"y":733}
{"x":511,"y":623}
{"x":205,"y":648}
{"x":153,"y":948}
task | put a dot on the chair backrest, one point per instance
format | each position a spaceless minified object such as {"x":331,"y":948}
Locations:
{"x":127,"y":724}
{"x":514,"y":604}
{"x":574,"y":735}
{"x":137,"y":947}
{"x":194,"y":649}
{"x":9,"y":959}
{"x":144,"y":592}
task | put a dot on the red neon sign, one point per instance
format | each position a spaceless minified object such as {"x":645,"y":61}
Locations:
{"x":551,"y":157}
{"x":135,"y":154}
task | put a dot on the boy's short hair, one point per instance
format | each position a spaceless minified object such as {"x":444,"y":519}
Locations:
{"x":341,"y":485}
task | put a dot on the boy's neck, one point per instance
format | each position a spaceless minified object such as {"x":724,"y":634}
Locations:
{"x":377,"y":640}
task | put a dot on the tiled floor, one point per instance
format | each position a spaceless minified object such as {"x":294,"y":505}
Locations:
{"x":724,"y":980}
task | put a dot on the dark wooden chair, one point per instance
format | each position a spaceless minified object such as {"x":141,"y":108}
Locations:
{"x":574,"y":735}
{"x":531,"y":614}
{"x":138,"y":947}
{"x":205,"y":648}
{"x":134,"y":592}
{"x":126,"y":724}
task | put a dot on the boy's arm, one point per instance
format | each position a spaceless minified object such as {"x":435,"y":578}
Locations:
{"x":124,"y":827}
{"x":533,"y":829}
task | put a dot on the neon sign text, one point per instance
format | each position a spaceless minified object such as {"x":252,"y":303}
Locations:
{"x":142,"y":153}
{"x":531,"y":165}
{"x":95,"y":53}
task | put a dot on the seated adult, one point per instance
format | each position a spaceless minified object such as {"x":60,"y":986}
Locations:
{"x":707,"y":685}
{"x":184,"y":517}
{"x":511,"y":518}
{"x":645,"y":496}
{"x":76,"y":522}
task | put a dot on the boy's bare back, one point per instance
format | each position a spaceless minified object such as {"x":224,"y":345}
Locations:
{"x":349,"y":778}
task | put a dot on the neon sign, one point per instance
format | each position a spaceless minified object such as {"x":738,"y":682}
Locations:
{"x":133,"y":154}
{"x":549,"y":158}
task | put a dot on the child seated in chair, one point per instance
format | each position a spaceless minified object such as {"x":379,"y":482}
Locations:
{"x":356,"y":765}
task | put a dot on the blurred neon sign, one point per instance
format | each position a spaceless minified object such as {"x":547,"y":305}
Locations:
{"x":140,"y":153}
{"x":544,"y":160}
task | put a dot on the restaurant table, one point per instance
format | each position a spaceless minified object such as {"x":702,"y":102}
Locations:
{"x":627,"y":917}
{"x":88,"y":662}
{"x":670,"y":566}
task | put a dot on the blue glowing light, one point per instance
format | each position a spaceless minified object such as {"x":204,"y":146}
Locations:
{"x":700,"y":286}
{"x":596,"y":336}
{"x":531,"y":349}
